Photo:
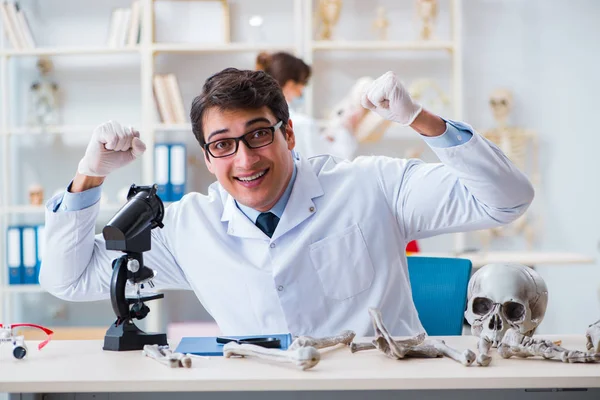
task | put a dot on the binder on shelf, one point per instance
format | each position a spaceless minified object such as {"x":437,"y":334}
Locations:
{"x":28,"y":240}
{"x":177,"y":170}
{"x":39,"y":247}
{"x":13,"y":255}
{"x":161,"y":170}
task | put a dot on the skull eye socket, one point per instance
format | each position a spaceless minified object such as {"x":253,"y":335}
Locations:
{"x":513,"y":311}
{"x":482,"y":305}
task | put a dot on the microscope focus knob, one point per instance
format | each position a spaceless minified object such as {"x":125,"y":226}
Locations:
{"x":133,"y":265}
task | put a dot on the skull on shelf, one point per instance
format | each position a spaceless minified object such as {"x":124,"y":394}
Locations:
{"x":501,"y":102}
{"x":503,"y":296}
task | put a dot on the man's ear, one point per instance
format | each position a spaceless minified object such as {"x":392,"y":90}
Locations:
{"x":290,"y":136}
{"x":207,"y":161}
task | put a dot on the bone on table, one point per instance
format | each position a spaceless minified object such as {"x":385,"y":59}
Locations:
{"x":516,"y":344}
{"x":319,"y":343}
{"x":303,"y":357}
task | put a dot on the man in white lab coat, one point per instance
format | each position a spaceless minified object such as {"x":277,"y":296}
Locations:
{"x":281,"y":243}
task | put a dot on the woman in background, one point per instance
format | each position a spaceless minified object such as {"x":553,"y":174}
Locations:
{"x":293,"y":74}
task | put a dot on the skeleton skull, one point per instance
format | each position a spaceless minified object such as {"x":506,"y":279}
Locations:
{"x":501,"y":101}
{"x":503,"y":296}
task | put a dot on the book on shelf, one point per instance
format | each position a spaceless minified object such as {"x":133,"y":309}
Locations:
{"x":16,"y":26}
{"x":124,"y":27}
{"x":168,"y":99}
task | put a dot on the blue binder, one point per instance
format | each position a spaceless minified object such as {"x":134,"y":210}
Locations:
{"x":39,"y":242}
{"x":177,"y":175}
{"x":161,"y":171}
{"x":208,"y":346}
{"x":14,"y":255}
{"x":29,"y":260}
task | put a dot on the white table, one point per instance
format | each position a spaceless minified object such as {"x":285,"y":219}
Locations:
{"x":82,"y":366}
{"x":529,"y":258}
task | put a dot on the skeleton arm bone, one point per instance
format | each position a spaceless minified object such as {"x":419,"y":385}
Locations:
{"x":303,"y":357}
{"x":516,"y":344}
{"x":466,"y":358}
{"x":319,"y":343}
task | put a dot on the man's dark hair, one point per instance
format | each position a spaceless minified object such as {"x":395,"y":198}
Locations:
{"x":234,"y":89}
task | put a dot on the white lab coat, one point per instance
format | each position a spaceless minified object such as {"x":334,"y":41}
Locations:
{"x":311,"y":142}
{"x":339,"y":247}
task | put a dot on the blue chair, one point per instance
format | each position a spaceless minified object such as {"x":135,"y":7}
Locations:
{"x":439,"y":289}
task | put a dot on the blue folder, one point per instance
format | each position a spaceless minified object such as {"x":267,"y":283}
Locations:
{"x":208,"y":346}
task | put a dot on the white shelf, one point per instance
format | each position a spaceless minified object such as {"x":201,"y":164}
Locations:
{"x":28,"y":209}
{"x":56,"y":129}
{"x":217,"y":47}
{"x":76,"y":50}
{"x":530,"y":258}
{"x":23,"y":289}
{"x":173,"y":127}
{"x":375,"y":45}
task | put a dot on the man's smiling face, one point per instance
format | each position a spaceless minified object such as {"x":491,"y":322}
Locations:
{"x":256,"y":178}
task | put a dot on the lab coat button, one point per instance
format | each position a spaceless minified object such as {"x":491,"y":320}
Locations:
{"x":459,"y":137}
{"x":272,"y":245}
{"x":311,"y":209}
{"x":280,"y":288}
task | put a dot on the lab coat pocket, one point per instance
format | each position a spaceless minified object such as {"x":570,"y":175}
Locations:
{"x":343,"y":264}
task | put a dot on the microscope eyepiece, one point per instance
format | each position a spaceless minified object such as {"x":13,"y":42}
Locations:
{"x":129,"y":229}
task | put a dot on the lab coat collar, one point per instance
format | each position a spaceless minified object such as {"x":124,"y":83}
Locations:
{"x":300,"y":206}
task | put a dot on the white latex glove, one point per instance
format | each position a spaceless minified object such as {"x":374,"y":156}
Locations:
{"x":112,"y":146}
{"x":387,"y":97}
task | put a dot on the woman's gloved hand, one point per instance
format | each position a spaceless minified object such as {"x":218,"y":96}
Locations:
{"x":112,"y":146}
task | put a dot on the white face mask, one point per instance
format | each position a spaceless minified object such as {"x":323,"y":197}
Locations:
{"x":298,"y":103}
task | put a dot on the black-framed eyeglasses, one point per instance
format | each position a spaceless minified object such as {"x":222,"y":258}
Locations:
{"x":254,"y":140}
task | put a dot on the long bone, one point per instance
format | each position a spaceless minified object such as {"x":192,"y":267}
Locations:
{"x":516,"y":344}
{"x":303,"y":357}
{"x":320,"y":343}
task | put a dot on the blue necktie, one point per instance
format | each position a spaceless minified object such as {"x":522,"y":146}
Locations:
{"x":267,"y":222}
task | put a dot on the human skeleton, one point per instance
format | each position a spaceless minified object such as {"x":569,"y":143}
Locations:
{"x":521,"y":147}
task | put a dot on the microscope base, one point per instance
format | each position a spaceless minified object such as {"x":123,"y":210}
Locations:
{"x":127,"y":336}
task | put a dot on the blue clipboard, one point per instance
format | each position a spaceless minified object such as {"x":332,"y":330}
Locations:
{"x":208,"y":346}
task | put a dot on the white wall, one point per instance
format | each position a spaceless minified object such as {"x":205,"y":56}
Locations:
{"x":546,"y":51}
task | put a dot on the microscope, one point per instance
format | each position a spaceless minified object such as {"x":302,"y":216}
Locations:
{"x":129,"y":231}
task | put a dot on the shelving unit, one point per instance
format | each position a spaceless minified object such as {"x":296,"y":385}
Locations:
{"x":149,"y":126}
{"x":303,"y":44}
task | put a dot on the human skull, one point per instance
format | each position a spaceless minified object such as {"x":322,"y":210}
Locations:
{"x":501,"y":101}
{"x":503,"y":296}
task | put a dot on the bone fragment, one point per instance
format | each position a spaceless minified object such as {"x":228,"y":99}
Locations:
{"x":483,"y":347}
{"x":153,"y":351}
